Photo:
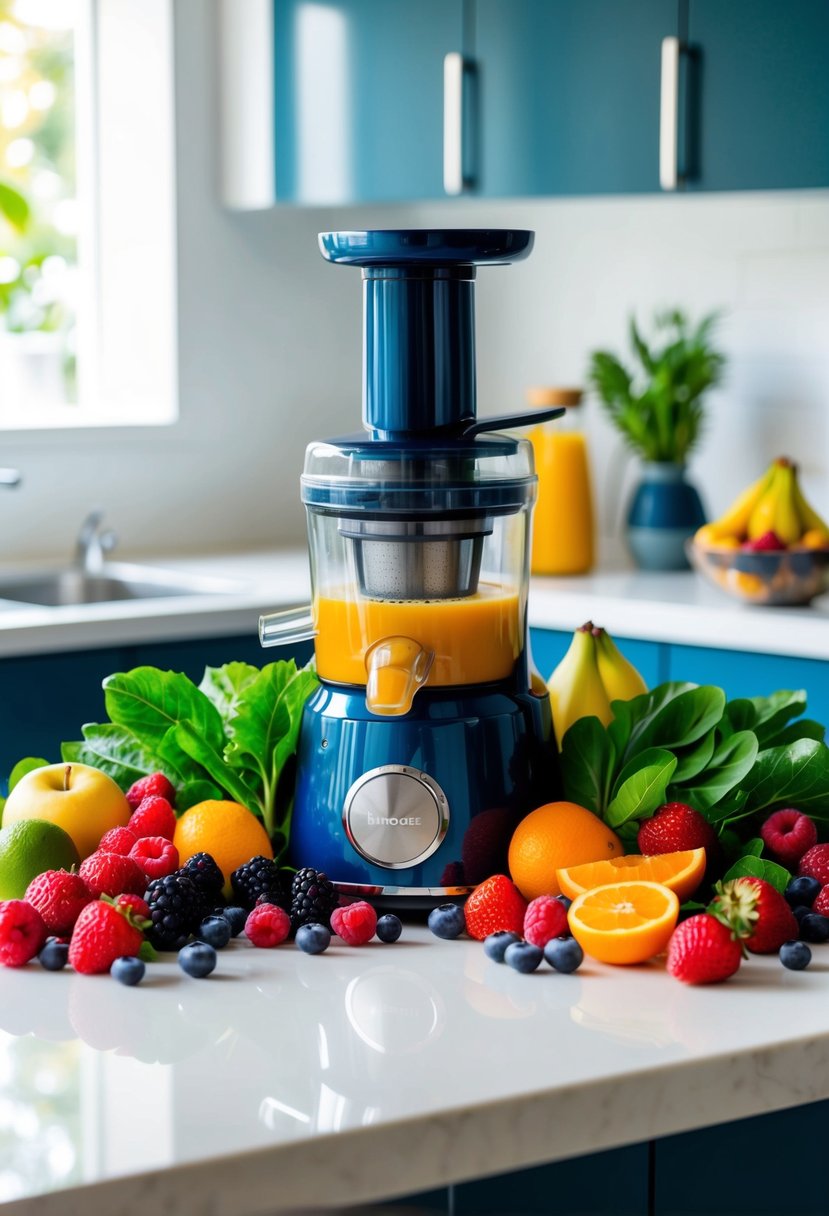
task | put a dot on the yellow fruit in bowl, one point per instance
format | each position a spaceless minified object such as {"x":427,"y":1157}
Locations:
{"x":815,"y":538}
{"x":82,"y":800}
{"x":228,"y":831}
{"x":553,"y":837}
{"x":29,"y":847}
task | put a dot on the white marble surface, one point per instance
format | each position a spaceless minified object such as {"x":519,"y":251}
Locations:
{"x":654,"y":607}
{"x":286,"y":1080}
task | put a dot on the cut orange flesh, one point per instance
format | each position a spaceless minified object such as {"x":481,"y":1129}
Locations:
{"x":624,"y":922}
{"x":682,"y":872}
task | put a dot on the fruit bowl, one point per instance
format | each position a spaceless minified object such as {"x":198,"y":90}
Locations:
{"x":776,"y":577}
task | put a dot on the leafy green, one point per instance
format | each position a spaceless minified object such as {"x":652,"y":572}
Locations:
{"x":23,"y":767}
{"x":758,"y":867}
{"x":231,"y":737}
{"x":641,"y":787}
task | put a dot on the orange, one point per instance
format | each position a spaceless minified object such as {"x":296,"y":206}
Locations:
{"x":682,"y":872}
{"x":624,"y":922}
{"x":554,"y":836}
{"x":229,"y":832}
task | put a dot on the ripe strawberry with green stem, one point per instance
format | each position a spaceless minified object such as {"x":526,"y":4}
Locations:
{"x":757,"y":913}
{"x":673,"y":828}
{"x":495,"y":905}
{"x":703,"y":950}
{"x":102,"y":933}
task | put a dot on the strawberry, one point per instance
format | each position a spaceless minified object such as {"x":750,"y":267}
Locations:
{"x":140,"y":908}
{"x":146,"y":787}
{"x":821,"y":904}
{"x":815,"y":863}
{"x":117,"y":840}
{"x":59,"y":897}
{"x":495,"y":905}
{"x":112,"y":874}
{"x":22,"y":932}
{"x":756,"y":912}
{"x":154,"y":816}
{"x":703,"y":950}
{"x":102,"y":933}
{"x":156,"y":856}
{"x":545,"y":918}
{"x":788,"y":834}
{"x":674,"y":827}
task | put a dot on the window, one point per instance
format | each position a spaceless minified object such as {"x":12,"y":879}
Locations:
{"x":87,"y":245}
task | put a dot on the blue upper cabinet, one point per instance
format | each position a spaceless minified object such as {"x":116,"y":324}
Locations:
{"x":758,"y":99}
{"x":358,"y":92}
{"x":569,"y":95}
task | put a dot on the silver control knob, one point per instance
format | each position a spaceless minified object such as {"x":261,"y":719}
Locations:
{"x":395,"y":816}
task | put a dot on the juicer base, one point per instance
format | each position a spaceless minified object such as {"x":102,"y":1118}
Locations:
{"x":403,"y":898}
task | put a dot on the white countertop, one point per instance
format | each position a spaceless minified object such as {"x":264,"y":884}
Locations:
{"x":286,"y":1080}
{"x":675,"y":607}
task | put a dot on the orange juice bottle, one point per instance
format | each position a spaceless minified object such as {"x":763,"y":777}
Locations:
{"x":563,"y":529}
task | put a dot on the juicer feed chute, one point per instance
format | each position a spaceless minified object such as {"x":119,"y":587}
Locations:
{"x":427,"y":740}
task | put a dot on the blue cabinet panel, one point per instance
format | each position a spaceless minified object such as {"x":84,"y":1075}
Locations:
{"x":749,"y":675}
{"x":569,"y":95}
{"x":760,"y":93}
{"x":359,"y":98}
{"x":548,"y":647}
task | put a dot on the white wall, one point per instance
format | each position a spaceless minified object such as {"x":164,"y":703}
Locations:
{"x":269,"y":344}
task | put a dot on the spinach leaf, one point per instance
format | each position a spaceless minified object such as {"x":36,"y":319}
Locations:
{"x":194,"y":792}
{"x":740,"y":714}
{"x":149,"y":701}
{"x":643,"y":790}
{"x":692,"y":760}
{"x":803,"y":728}
{"x":795,"y":774}
{"x":732,"y":760}
{"x":587,"y":761}
{"x":632,"y":718}
{"x":685,"y":719}
{"x":225,"y":686}
{"x":774,"y":712}
{"x":116,"y":751}
{"x":190,"y":741}
{"x":758,"y":867}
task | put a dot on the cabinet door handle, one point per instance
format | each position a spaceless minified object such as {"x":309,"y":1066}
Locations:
{"x":458,"y":78}
{"x":669,"y":115}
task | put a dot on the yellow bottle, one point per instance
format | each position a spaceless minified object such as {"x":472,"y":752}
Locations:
{"x":563,"y":529}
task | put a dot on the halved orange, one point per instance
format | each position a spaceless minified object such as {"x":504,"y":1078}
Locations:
{"x":624,"y":922}
{"x":682,"y":872}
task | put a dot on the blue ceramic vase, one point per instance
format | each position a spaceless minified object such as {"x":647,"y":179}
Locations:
{"x":665,"y":510}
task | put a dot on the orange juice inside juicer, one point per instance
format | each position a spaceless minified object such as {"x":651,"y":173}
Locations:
{"x":428,"y":737}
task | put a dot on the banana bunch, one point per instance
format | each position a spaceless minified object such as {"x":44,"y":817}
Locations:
{"x":772,"y":513}
{"x":591,"y":676}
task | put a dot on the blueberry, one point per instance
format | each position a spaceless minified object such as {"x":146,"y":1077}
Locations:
{"x":198,"y":959}
{"x":523,"y":956}
{"x":795,"y":955}
{"x":54,"y":955}
{"x":216,"y":931}
{"x":496,"y":944}
{"x":234,"y":916}
{"x":814,"y":928}
{"x":802,"y":891}
{"x":800,"y":911}
{"x":447,"y":921}
{"x":562,"y":899}
{"x":313,"y":938}
{"x":564,"y":954}
{"x":127,"y":970}
{"x":389,"y":928}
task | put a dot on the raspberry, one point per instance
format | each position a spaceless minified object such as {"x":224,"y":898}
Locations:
{"x":673,"y":828}
{"x":821,"y":904}
{"x":788,"y":834}
{"x":146,"y":787}
{"x":815,"y":863}
{"x":59,"y":897}
{"x":154,"y":816}
{"x":117,"y":840}
{"x":156,"y":856}
{"x":22,"y":932}
{"x":496,"y":904}
{"x":544,"y":919}
{"x":112,"y":874}
{"x":267,"y":925}
{"x":139,"y":907}
{"x":355,"y":923}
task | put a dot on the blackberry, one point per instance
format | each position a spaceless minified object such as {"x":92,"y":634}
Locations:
{"x":204,"y":874}
{"x":261,"y":877}
{"x":313,"y":898}
{"x":175,"y":910}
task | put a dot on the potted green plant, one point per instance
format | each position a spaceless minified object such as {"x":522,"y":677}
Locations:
{"x":657,"y":406}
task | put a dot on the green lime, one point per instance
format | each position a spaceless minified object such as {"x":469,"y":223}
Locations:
{"x":29,"y":847}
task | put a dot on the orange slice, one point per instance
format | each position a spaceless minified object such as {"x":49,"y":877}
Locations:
{"x":682,"y":872}
{"x":624,"y":922}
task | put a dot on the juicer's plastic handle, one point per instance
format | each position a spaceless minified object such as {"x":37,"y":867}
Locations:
{"x":284,"y":628}
{"x":503,"y":422}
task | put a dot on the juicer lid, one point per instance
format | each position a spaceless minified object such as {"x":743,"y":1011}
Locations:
{"x":395,"y":247}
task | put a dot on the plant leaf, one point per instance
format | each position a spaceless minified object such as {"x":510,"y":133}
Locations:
{"x":803,"y":728}
{"x":774,"y":712}
{"x":758,"y":867}
{"x":731,"y":762}
{"x":741,"y":713}
{"x":14,"y":206}
{"x":226,"y":685}
{"x":643,"y":791}
{"x":194,"y":792}
{"x":192,"y":742}
{"x":587,"y":759}
{"x":683,"y":720}
{"x":116,"y":752}
{"x":23,"y":767}
{"x":691,"y":761}
{"x":794,"y":774}
{"x":149,"y":701}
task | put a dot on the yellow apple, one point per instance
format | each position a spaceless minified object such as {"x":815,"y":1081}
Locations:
{"x":82,"y":800}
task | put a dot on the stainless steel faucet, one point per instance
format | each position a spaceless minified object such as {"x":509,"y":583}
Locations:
{"x":9,"y":477}
{"x":93,"y":543}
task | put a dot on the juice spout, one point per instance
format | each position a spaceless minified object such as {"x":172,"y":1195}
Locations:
{"x":396,"y":668}
{"x":284,"y":628}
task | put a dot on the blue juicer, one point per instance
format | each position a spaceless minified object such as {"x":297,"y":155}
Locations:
{"x":429,"y":736}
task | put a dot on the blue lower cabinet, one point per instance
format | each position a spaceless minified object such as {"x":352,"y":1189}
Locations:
{"x":751,"y":675}
{"x":549,"y":646}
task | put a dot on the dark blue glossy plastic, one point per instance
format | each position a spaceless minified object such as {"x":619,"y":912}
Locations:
{"x":490,"y":748}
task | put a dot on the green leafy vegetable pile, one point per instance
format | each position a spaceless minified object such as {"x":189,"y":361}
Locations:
{"x":229,"y":737}
{"x":734,"y":761}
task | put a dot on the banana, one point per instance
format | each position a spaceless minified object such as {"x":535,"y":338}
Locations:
{"x":763,"y":516}
{"x":809,"y":518}
{"x":621,"y":680}
{"x":734,"y":521}
{"x":576,"y":688}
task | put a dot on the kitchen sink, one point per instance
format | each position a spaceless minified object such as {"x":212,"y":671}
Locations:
{"x":68,"y":585}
